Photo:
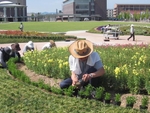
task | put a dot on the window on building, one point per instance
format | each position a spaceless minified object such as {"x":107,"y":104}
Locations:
{"x":82,"y":12}
{"x":92,"y":12}
{"x":82,"y":6}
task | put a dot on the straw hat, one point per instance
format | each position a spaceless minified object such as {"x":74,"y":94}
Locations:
{"x":81,"y":48}
{"x":16,"y":46}
{"x":52,"y":43}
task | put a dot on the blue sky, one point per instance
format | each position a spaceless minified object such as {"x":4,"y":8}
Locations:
{"x":52,"y":5}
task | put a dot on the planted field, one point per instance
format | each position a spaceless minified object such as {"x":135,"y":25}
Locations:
{"x":127,"y":66}
{"x":19,"y":97}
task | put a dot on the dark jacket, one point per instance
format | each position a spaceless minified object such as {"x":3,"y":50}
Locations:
{"x":7,"y":53}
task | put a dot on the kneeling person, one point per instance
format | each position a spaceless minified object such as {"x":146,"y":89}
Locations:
{"x":85,"y":65}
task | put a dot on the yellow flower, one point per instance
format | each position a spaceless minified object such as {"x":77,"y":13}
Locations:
{"x":60,"y":61}
{"x":50,"y":60}
{"x":60,"y":65}
{"x":136,"y":53}
{"x":134,"y":57}
{"x":135,"y":72}
{"x":45,"y":65}
{"x":65,"y":63}
{"x":126,"y":72}
{"x":117,"y":70}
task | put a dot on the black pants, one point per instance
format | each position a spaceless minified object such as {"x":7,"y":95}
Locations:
{"x":132,"y":35}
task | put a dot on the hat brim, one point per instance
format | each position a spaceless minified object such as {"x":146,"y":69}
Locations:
{"x":74,"y":53}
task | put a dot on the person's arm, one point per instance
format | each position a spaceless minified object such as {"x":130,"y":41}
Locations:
{"x":98,"y":65}
{"x":74,"y":77}
{"x":98,"y":73}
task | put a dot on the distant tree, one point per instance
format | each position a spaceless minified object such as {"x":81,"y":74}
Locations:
{"x":120,"y":16}
{"x":147,"y":14}
{"x":142,"y":15}
{"x":127,"y":15}
{"x":136,"y":16}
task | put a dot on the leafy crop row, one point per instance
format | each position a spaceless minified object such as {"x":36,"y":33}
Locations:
{"x":17,"y":96}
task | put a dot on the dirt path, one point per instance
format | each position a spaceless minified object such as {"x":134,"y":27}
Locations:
{"x":35,"y":77}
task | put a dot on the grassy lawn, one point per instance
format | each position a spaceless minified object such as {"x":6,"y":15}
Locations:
{"x":61,"y":26}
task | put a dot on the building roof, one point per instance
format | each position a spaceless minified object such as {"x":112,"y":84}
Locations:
{"x":135,"y":4}
{"x":6,"y":2}
{"x":10,"y":4}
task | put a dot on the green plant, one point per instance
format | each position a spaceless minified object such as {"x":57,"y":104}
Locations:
{"x":144,"y":102}
{"x":69,"y":91}
{"x":81,"y":93}
{"x":130,"y":100}
{"x":56,"y":90}
{"x":117,"y":97}
{"x":86,"y":91}
{"x":147,"y":86}
{"x":99,"y":92}
{"x":107,"y":96}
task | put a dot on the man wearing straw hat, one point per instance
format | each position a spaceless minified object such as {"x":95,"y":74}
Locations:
{"x":49,"y":45}
{"x":85,"y":65}
{"x":131,"y":32}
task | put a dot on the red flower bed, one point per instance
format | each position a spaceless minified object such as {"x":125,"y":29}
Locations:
{"x":20,"y":33}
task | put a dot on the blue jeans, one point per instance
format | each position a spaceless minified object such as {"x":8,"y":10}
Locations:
{"x":94,"y":81}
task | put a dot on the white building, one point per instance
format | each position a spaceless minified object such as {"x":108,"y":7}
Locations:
{"x":13,"y":10}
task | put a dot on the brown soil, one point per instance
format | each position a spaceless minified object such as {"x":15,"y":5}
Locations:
{"x":55,"y":82}
{"x":35,"y":77}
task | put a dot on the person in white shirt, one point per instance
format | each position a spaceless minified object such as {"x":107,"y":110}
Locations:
{"x":132,"y":32}
{"x":49,"y":45}
{"x":28,"y":47}
{"x":85,"y":65}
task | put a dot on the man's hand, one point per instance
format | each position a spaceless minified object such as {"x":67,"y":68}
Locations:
{"x":86,"y":77}
{"x":74,"y":80}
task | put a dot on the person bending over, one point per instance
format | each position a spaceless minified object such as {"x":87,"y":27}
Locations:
{"x":85,"y":65}
{"x":28,"y":47}
{"x":7,"y":52}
